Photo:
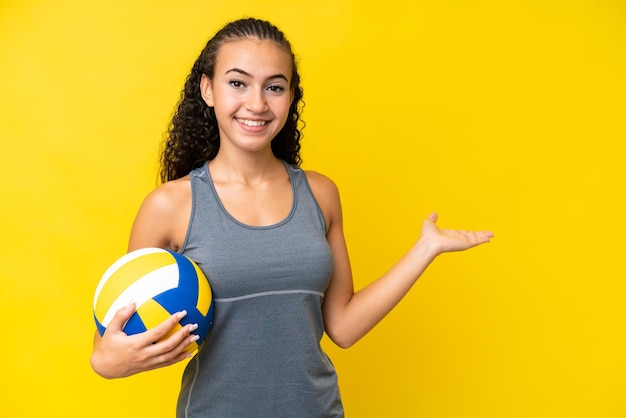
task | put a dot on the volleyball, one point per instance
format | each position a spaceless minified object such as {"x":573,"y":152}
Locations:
{"x":160,"y":283}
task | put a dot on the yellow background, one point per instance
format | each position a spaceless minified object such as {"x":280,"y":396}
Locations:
{"x":502,"y":115}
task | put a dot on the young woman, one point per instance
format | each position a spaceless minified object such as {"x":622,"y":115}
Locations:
{"x":268,"y":236}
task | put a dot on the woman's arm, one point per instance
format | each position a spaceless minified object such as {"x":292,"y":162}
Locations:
{"x":158,"y":224}
{"x":348,"y":316}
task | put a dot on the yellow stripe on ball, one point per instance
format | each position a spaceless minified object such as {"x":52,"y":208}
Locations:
{"x":125,"y":276}
{"x":152,"y":314}
{"x":205,"y":296}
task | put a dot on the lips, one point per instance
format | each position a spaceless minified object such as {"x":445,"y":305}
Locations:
{"x":251,"y":123}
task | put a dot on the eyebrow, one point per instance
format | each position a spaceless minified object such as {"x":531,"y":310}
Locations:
{"x":242,"y":72}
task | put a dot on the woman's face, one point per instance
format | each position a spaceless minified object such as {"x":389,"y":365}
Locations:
{"x":250,"y":93}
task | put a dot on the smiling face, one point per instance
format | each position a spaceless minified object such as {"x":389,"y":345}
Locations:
{"x":250,"y":92}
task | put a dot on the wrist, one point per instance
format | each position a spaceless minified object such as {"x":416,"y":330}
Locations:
{"x":103,"y":368}
{"x":427,"y":249}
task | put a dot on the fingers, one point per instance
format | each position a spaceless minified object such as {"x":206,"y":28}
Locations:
{"x":486,"y":235}
{"x":121,"y":317}
{"x":432,"y":217}
{"x":164,"y":329}
{"x":179,"y":344}
{"x":164,"y":333}
{"x":161,"y":346}
{"x":481,"y":236}
{"x":118,"y":355}
{"x":174,"y":348}
{"x":476,"y":237}
{"x":172,"y":357}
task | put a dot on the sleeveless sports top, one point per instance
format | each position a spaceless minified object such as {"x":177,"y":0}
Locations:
{"x":262,"y":357}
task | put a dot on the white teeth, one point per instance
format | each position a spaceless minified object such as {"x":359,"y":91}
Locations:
{"x":251,"y":122}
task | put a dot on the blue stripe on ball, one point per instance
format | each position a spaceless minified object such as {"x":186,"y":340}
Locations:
{"x":187,"y":277}
{"x":204,"y":324}
{"x":101,"y":328}
{"x":175,"y":301}
{"x":134,"y":325}
{"x":208,"y":322}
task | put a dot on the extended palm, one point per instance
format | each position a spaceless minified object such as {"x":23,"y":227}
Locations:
{"x":446,"y":240}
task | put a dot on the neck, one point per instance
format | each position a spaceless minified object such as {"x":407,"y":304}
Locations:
{"x":244,"y":168}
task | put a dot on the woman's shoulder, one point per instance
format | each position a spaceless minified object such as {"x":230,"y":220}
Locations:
{"x":321,"y":183}
{"x":326,"y":194}
{"x":169,"y":196}
{"x":163,"y":216}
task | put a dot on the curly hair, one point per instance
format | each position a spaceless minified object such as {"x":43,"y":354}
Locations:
{"x":193,"y":135}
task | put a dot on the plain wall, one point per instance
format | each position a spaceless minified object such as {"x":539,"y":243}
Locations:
{"x":502,"y":115}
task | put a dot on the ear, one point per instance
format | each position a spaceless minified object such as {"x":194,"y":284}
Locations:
{"x":206,"y":90}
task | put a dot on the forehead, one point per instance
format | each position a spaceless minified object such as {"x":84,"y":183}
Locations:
{"x":260,"y":58}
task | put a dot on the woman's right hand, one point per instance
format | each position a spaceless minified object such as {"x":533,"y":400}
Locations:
{"x":117,"y":354}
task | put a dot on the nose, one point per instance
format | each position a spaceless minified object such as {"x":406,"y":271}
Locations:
{"x":256,"y":101}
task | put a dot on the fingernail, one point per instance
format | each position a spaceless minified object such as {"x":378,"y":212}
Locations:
{"x":130,"y":304}
{"x":195,"y":338}
{"x":182,"y":314}
{"x":193,"y":327}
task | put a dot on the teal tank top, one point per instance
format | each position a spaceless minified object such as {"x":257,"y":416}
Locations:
{"x":262,"y":357}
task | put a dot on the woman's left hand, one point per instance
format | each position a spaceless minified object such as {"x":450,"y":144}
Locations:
{"x":447,"y":240}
